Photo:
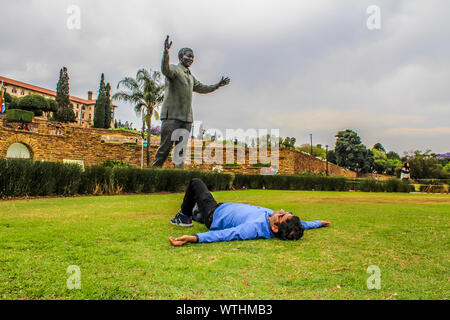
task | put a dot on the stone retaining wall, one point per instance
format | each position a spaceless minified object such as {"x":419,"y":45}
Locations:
{"x":94,"y":146}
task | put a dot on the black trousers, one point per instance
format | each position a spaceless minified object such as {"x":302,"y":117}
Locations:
{"x":167,"y":128}
{"x":197,"y":192}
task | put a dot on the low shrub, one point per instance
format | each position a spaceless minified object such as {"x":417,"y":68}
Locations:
{"x":290,"y":182}
{"x":434,"y":188}
{"x":116,"y":164}
{"x":33,"y":178}
{"x":389,"y":185}
{"x":34,"y":103}
{"x":19,"y":178}
{"x":15,"y":115}
{"x":433,"y":181}
{"x":318,"y":183}
{"x":261,"y":165}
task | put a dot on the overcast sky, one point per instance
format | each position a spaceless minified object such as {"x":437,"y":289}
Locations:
{"x":304,"y":67}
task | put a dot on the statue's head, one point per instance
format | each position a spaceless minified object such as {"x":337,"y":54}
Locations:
{"x":186,"y":57}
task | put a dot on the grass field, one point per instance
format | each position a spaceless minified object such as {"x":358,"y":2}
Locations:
{"x":120,"y":244}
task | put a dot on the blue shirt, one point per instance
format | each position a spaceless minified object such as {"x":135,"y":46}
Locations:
{"x":238,"y":221}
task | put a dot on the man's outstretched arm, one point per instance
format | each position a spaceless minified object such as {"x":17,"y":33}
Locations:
{"x":241,"y":232}
{"x":202,"y":88}
{"x":183,"y":240}
{"x":315,"y":224}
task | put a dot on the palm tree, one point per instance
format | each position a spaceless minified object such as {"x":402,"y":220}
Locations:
{"x":146,"y":93}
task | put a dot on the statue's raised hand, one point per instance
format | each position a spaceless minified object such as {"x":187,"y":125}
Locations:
{"x":224,"y":81}
{"x":167,"y":44}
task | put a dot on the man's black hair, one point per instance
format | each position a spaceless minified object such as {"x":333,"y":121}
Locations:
{"x":291,"y":229}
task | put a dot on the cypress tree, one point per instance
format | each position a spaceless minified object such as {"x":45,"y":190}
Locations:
{"x":108,"y":106}
{"x":62,"y":89}
{"x":99,"y":109}
{"x":64,"y":112}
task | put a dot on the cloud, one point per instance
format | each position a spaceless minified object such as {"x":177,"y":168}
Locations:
{"x":412,"y":132}
{"x":303,"y":67}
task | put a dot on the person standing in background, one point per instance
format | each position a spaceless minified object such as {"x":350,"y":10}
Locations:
{"x":405,"y":173}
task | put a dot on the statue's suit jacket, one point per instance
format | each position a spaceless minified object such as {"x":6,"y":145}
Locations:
{"x":180,"y":84}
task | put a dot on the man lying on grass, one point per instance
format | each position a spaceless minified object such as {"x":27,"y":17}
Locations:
{"x":235,"y":221}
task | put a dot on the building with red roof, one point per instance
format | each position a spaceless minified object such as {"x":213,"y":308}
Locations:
{"x":83,"y":109}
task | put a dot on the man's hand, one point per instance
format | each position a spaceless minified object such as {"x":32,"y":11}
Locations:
{"x":223,"y":82}
{"x":167,"y":44}
{"x":182,"y":240}
{"x":326,"y":223}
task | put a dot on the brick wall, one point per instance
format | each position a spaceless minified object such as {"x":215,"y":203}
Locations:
{"x":73,"y":142}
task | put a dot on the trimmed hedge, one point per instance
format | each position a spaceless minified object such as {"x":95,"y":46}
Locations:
{"x":319,"y":183}
{"x":14,"y":115}
{"x":433,"y":188}
{"x":290,"y":182}
{"x":106,"y":180}
{"x":19,"y":178}
{"x":433,"y":181}
{"x":34,"y":102}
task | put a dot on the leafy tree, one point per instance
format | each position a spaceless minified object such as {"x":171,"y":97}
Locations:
{"x":288,"y":142}
{"x":447,"y":168}
{"x":331,"y":156}
{"x":13,"y":103}
{"x":66,"y":114}
{"x":368,"y":164}
{"x":33,"y":102}
{"x":393,"y":166}
{"x":52,"y":105}
{"x":125,"y":125}
{"x":380,"y":160}
{"x":292,"y":142}
{"x":8,"y":99}
{"x":146,"y":93}
{"x":425,"y":166}
{"x":99,"y":109}
{"x":378,"y":146}
{"x":393,"y":155}
{"x":351,"y":153}
{"x":387,"y":163}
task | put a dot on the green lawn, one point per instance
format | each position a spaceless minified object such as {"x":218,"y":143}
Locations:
{"x":120,"y":244}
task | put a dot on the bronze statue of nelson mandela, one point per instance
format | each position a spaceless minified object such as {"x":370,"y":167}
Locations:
{"x":176,"y":111}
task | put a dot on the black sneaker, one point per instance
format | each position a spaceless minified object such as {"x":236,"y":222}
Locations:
{"x":181,"y":220}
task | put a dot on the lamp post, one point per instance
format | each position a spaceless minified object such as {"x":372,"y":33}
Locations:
{"x":203,"y":139}
{"x":326,"y":159}
{"x":310,"y":135}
